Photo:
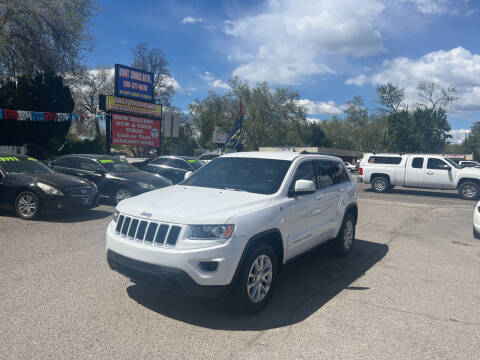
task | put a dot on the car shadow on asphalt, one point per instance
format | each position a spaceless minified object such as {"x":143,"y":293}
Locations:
{"x":439,"y":193}
{"x":306,"y":284}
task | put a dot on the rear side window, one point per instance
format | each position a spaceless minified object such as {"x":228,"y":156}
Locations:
{"x":324,"y":173}
{"x":392,"y":160}
{"x":339,"y":173}
{"x":304,"y":172}
{"x":417,"y":163}
{"x":89,"y":165}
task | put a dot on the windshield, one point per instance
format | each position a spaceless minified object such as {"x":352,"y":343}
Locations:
{"x":261,"y":176}
{"x":196,"y":164}
{"x":208,"y":157}
{"x":453,"y":163}
{"x":21,"y":165}
{"x":117,"y":165}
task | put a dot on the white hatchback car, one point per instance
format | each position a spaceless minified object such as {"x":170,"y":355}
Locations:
{"x":228,"y":228}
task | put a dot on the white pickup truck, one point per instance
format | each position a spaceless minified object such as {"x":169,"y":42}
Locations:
{"x":384,"y":171}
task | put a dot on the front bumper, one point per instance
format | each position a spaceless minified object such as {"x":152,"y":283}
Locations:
{"x":476,"y":217}
{"x":179,"y":259}
{"x":67,"y":203}
{"x":163,"y":277}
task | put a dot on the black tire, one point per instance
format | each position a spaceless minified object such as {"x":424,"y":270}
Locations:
{"x":121,"y":194}
{"x":380,"y":184}
{"x":345,"y":240}
{"x":469,"y":190}
{"x":27,"y":205}
{"x":239,"y":297}
{"x":476,"y":234}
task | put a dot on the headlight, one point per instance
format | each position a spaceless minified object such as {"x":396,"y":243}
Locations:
{"x":50,"y":190}
{"x":115,"y":215}
{"x":212,"y":232}
{"x":146,"y":186}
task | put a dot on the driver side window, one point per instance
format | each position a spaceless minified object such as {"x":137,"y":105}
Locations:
{"x":304,"y":172}
{"x":436,"y":164}
{"x":89,"y":165}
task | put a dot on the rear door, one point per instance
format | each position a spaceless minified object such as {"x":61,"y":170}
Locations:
{"x":415,"y":171}
{"x":66,"y":165}
{"x":329,"y":177}
{"x":91,"y":170}
{"x":437,"y":176}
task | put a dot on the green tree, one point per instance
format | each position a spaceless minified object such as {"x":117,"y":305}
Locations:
{"x":43,"y":35}
{"x":391,"y":97}
{"x":271,"y":117}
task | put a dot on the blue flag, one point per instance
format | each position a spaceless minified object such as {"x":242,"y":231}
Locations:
{"x":234,"y":136}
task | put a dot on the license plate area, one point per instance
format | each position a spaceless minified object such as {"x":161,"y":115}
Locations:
{"x":87,"y":201}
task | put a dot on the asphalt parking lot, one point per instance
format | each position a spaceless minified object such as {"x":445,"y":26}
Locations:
{"x":409,"y":290}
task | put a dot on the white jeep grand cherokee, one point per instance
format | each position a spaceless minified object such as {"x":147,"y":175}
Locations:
{"x":225,"y":231}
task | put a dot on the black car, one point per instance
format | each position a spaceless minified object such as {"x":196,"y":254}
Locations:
{"x":114,"y":177}
{"x":172,"y":167}
{"x":31,"y":188}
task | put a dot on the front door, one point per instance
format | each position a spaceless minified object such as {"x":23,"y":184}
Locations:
{"x":437,"y":175}
{"x":302,"y":213}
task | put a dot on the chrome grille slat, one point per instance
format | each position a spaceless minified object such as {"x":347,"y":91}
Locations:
{"x":81,"y":191}
{"x":147,"y":232}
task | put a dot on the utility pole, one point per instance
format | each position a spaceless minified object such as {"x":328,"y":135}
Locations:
{"x":465,"y":142}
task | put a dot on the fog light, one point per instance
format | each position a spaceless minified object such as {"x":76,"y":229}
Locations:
{"x":209,"y":266}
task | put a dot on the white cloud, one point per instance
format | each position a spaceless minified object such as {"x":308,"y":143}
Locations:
{"x":292,"y":39}
{"x":214,"y":83}
{"x":431,"y":7}
{"x":359,"y":80}
{"x":191,"y":20}
{"x":457,"y":68}
{"x":170,"y":80}
{"x":458,"y":135}
{"x":321,"y":107}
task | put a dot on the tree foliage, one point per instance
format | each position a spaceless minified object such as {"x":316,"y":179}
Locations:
{"x":154,"y":60}
{"x":391,"y":97}
{"x":43,"y":35}
{"x":42,"y":92}
{"x":272,"y":117}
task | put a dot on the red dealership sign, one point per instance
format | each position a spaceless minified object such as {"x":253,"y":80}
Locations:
{"x":135,"y":131}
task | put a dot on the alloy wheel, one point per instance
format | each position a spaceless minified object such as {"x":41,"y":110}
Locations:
{"x":348,"y":234}
{"x":260,"y":278}
{"x":469,"y":191}
{"x":380,"y":184}
{"x":27,"y":205}
{"x":122,"y":194}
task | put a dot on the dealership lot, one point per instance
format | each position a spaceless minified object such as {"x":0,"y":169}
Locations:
{"x":410,"y":289}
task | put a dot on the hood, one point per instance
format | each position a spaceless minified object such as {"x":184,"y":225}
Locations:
{"x":192,"y":205}
{"x":470,"y":171}
{"x":58,"y":180}
{"x":144,"y":177}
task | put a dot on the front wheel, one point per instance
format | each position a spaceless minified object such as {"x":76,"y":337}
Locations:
{"x":469,"y":190}
{"x":476,"y":234}
{"x":256,"y":280}
{"x":27,"y":205}
{"x":121,"y":194}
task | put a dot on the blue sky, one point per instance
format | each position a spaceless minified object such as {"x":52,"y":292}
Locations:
{"x":327,"y":50}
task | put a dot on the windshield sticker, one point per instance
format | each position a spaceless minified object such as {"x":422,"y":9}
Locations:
{"x":106,"y":161}
{"x":9,"y":158}
{"x":192,"y":161}
{"x":32,"y":159}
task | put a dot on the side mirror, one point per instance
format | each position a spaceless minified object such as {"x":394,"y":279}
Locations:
{"x":447,"y":167}
{"x":303,"y":187}
{"x":187,"y":175}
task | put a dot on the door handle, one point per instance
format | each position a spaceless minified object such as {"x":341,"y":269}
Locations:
{"x":429,"y":172}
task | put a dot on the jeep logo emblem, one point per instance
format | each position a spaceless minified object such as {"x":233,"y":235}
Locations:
{"x":146,"y":214}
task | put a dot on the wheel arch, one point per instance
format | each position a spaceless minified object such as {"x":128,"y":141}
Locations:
{"x":375,"y":175}
{"x":467,"y":179}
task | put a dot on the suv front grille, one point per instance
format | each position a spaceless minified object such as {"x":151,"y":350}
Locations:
{"x":81,"y":191}
{"x":147,"y":232}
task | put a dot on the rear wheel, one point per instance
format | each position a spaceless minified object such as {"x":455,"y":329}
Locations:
{"x":380,"y":184}
{"x":256,"y":280}
{"x":344,"y":242}
{"x":469,"y":190}
{"x":27,"y":205}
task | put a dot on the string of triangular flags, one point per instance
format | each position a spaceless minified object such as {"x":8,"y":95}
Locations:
{"x":20,"y":115}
